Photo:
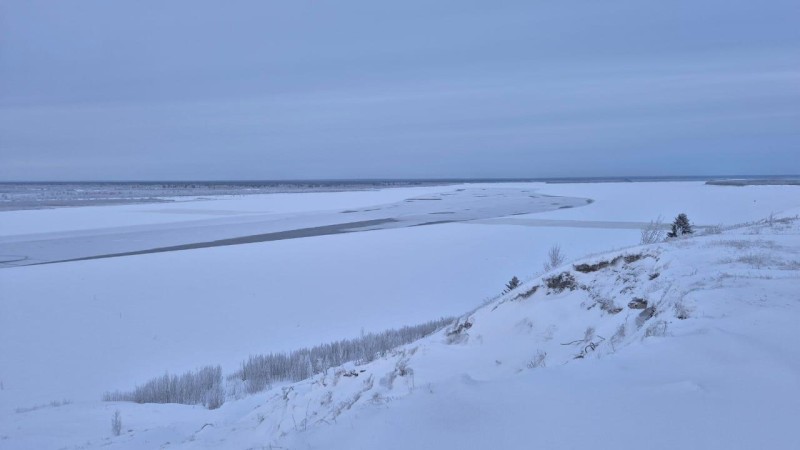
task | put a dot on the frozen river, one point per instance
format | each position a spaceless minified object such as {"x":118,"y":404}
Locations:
{"x":245,"y":226}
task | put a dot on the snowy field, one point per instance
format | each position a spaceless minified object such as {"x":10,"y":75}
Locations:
{"x":74,"y":330}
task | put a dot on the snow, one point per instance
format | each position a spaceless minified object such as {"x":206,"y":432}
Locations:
{"x":726,"y":377}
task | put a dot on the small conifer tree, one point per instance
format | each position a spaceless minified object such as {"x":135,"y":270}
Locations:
{"x":680,"y":226}
{"x":513,"y":284}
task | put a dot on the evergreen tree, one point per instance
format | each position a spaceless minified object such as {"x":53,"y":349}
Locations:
{"x":513,"y":284}
{"x":680,"y":226}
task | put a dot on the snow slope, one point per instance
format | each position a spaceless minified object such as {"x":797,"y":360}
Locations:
{"x":571,"y":359}
{"x":711,"y":362}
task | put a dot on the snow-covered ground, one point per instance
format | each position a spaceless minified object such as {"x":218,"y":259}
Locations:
{"x":724,"y":376}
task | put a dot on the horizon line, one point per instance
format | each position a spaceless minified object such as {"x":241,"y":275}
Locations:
{"x":421,"y":179}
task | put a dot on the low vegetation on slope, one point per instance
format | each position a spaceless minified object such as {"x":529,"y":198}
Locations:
{"x":205,"y":386}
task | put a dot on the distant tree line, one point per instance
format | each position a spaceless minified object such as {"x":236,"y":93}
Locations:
{"x":259,"y":371}
{"x":201,"y":387}
{"x":205,"y":386}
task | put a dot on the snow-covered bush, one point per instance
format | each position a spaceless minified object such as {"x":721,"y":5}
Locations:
{"x":456,"y":333}
{"x":608,"y":305}
{"x":653,"y":232}
{"x":757,"y":260}
{"x":561,"y":282}
{"x":627,"y":259}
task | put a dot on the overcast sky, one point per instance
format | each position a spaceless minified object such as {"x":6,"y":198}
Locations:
{"x":197,"y":89}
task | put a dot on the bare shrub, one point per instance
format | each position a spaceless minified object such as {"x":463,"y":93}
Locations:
{"x":540,"y":360}
{"x":681,"y":311}
{"x":712,"y":229}
{"x":214,"y":398}
{"x":633,"y":258}
{"x":790,"y":265}
{"x":555,"y":258}
{"x":457,"y":333}
{"x":628,"y":259}
{"x":757,"y":260}
{"x":116,"y":423}
{"x":527,"y":293}
{"x":754,"y":231}
{"x":388,"y":380}
{"x":588,"y":335}
{"x":401,"y":369}
{"x":618,"y":337}
{"x":637,"y":303}
{"x":378,"y":399}
{"x":653,"y":232}
{"x":608,"y":305}
{"x":589,"y":268}
{"x":742,"y":244}
{"x":326,"y":399}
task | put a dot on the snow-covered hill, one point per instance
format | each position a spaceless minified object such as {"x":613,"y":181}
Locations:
{"x":691,"y":343}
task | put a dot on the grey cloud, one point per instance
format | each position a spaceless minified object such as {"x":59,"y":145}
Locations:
{"x":201,"y":89}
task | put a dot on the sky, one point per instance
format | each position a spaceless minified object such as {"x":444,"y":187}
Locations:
{"x":261,"y":89}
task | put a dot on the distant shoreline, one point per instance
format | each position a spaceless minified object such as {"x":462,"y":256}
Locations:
{"x":403,"y":181}
{"x":758,"y":182}
{"x":40,"y":195}
{"x":33,"y":195}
